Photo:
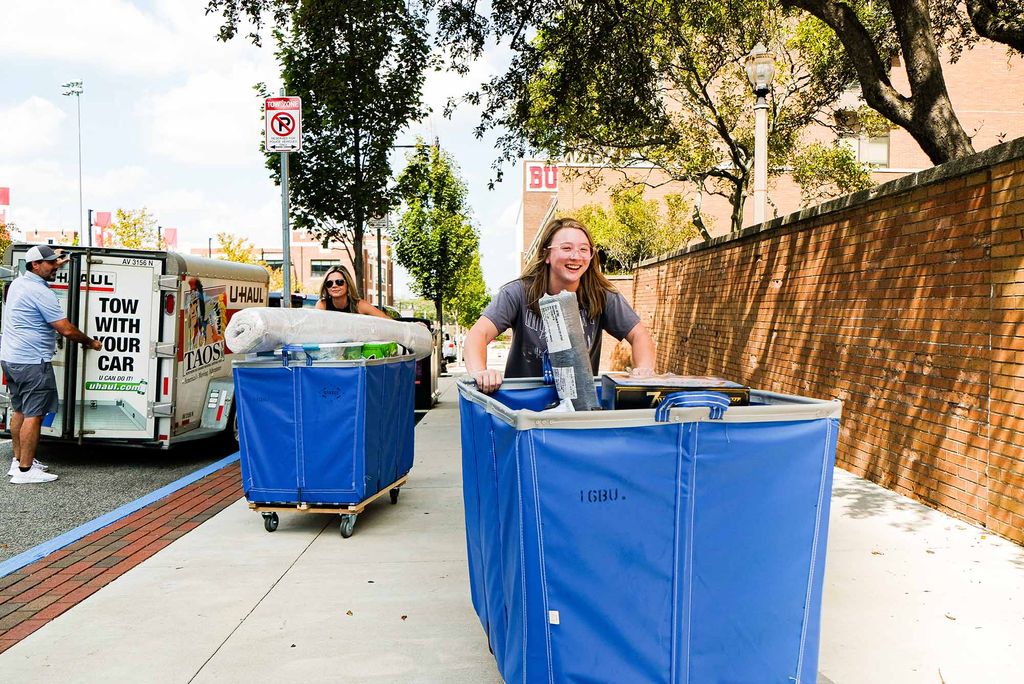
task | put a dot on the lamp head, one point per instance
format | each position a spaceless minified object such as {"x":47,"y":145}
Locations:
{"x":760,"y":68}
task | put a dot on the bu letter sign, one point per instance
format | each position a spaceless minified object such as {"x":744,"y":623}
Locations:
{"x":283,"y":117}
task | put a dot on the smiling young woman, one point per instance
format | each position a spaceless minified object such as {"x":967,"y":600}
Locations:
{"x":339,"y":292}
{"x":565,"y":262}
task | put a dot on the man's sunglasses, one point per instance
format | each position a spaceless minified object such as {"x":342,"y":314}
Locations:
{"x":335,"y":283}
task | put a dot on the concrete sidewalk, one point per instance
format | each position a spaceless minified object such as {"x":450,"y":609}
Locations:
{"x":911,"y":596}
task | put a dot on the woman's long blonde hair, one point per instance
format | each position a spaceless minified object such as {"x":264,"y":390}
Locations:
{"x":593,"y":284}
{"x":352,"y":290}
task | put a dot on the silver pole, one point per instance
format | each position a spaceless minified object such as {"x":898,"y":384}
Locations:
{"x":286,"y":247}
{"x":75,"y":88}
{"x":81,"y":216}
{"x":380,"y":290}
{"x":286,"y":251}
{"x":760,"y":159}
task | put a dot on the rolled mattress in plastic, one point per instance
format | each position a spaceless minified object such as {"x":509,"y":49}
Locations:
{"x":265,"y":329}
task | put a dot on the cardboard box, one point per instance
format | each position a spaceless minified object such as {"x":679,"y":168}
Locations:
{"x":620,"y":391}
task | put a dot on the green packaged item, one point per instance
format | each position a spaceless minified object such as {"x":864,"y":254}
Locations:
{"x":352,"y":351}
{"x":380,"y":350}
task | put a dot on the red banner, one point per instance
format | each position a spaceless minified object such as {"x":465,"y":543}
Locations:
{"x":102,"y":219}
{"x":5,"y":196}
{"x":171,"y":238}
{"x":99,"y":236}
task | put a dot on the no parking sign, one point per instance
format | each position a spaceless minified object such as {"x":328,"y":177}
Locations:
{"x":283,"y":116}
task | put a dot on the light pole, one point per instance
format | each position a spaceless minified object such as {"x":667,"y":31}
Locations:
{"x":760,"y":68}
{"x":75,"y":88}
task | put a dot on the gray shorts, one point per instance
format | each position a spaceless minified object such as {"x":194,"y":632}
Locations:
{"x":33,"y":388}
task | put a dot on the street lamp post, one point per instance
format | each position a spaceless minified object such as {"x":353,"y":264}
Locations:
{"x":75,"y":88}
{"x":760,"y":68}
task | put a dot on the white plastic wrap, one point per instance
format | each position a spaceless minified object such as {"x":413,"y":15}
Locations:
{"x":567,"y":350}
{"x":265,"y":329}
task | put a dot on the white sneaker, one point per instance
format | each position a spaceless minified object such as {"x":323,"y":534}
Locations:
{"x":32,"y":476}
{"x":35,"y":464}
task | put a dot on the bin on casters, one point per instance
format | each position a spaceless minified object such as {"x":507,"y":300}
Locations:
{"x":622,"y":546}
{"x":324,"y":436}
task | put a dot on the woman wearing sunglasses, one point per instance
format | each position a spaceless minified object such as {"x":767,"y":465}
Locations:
{"x":339,"y":293}
{"x":567,"y":261}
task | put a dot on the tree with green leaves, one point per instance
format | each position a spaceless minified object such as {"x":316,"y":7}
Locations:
{"x":359,"y":69}
{"x":231,"y":247}
{"x":642,"y":86}
{"x":872,"y":33}
{"x":635,"y":229}
{"x":598,"y":50}
{"x":607,"y":50}
{"x":5,"y":235}
{"x":433,"y":239}
{"x":470,"y":297}
{"x":132,"y":229}
{"x":826,"y":171}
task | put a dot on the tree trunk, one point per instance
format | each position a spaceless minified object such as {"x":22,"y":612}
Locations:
{"x":360,"y":217}
{"x":738,"y":200}
{"x":927,"y":114}
{"x":933,"y":124}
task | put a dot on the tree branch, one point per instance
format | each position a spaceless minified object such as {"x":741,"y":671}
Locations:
{"x":988,"y":22}
{"x":871,"y":71}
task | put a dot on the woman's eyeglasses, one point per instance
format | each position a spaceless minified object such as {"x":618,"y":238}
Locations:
{"x":335,"y":283}
{"x":568,"y":249}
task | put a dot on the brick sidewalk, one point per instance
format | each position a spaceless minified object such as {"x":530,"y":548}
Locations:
{"x":36,"y":594}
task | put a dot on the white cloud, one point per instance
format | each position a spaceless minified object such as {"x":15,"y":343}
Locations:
{"x":29,"y":127}
{"x":115,"y":188}
{"x":211,"y":120}
{"x":116,"y":35}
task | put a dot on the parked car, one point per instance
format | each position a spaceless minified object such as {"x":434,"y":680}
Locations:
{"x":299,"y":300}
{"x":448,"y":351}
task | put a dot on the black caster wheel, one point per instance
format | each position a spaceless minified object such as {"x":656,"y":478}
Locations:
{"x":348,"y":524}
{"x":270,"y":521}
{"x":394,"y":495}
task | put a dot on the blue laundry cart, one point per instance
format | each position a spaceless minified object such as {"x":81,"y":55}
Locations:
{"x":649,"y":545}
{"x":321,"y":434}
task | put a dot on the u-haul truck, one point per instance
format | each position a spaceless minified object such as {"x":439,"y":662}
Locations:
{"x":164,"y":373}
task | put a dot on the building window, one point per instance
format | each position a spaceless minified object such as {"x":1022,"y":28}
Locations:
{"x":869,"y":150}
{"x":320,"y":267}
{"x":272,"y":263}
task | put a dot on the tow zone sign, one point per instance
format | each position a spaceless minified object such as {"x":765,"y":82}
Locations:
{"x":283,"y":124}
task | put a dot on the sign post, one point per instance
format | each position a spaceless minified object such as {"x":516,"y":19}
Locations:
{"x":283,"y":119}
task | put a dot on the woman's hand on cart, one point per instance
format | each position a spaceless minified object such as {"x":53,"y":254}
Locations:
{"x":487,"y":380}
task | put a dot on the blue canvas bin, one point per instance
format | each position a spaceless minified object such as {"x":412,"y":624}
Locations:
{"x":323,"y":432}
{"x":609,"y":546}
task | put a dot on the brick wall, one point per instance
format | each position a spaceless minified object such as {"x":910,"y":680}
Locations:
{"x":905,"y":301}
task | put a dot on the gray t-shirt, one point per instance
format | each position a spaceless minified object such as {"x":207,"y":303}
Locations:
{"x":525,"y":359}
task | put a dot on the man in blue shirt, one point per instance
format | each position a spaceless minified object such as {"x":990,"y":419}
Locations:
{"x":32,"y":315}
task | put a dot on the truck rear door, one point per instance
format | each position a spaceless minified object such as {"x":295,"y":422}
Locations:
{"x":116,"y":300}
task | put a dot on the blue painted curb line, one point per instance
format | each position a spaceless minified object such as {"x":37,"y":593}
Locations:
{"x":70,"y":537}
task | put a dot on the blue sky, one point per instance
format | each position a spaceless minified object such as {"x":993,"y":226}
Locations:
{"x":170,"y":122}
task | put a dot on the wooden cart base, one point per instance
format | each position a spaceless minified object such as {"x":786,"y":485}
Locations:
{"x":348,"y":513}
